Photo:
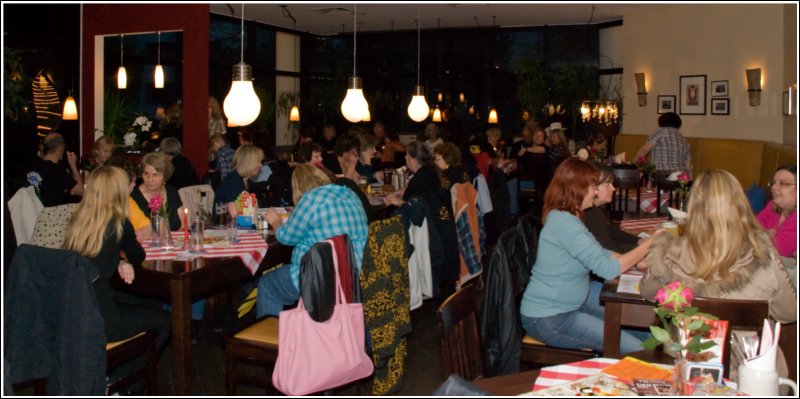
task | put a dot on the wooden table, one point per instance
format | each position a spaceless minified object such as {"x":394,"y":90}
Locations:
{"x":181,"y":282}
{"x":630,"y":310}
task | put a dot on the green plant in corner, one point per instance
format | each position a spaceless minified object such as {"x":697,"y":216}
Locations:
{"x":117,"y":115}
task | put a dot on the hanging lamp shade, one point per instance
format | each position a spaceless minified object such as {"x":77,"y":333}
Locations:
{"x":492,"y":116}
{"x":471,"y":109}
{"x":294,"y":114}
{"x":159,"y":77}
{"x":437,"y":115}
{"x":70,"y":110}
{"x":122,"y":76}
{"x":418,"y":108}
{"x":354,"y":106}
{"x":241,"y":105}
{"x":367,"y":117}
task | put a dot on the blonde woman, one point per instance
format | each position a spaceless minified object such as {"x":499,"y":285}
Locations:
{"x":99,"y":230}
{"x":102,"y":150}
{"x":156,"y":170}
{"x":323,"y":210}
{"x":724,"y":253}
{"x":246,"y":165}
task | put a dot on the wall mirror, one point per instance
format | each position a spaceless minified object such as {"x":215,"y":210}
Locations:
{"x":116,"y":109}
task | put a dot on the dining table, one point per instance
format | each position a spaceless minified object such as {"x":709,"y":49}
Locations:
{"x":178,"y":278}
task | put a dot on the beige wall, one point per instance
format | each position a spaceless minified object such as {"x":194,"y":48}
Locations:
{"x":719,"y":41}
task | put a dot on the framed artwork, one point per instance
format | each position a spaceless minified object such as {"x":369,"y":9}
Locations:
{"x":665,"y":104}
{"x":720,"y":106}
{"x":693,"y":95}
{"x":719,"y":88}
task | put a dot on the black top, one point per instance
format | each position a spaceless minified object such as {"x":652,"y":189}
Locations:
{"x":454,"y":175}
{"x":184,"y":174}
{"x":173,"y":203}
{"x":230,"y":188}
{"x":607,"y":234}
{"x":532,"y":166}
{"x":367,"y":171}
{"x":332,"y":164}
{"x":107,"y":262}
{"x":52,"y":182}
{"x":424,"y":184}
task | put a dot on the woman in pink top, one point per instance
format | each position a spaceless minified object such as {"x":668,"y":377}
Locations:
{"x":779,"y":217}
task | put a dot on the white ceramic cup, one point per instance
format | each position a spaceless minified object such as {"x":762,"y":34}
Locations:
{"x":756,"y":382}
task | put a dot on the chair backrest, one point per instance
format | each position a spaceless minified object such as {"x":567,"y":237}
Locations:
{"x":52,"y":226}
{"x":741,"y":315}
{"x":462,"y":353}
{"x":626,"y":177}
{"x":190,"y":198}
{"x":24,"y":206}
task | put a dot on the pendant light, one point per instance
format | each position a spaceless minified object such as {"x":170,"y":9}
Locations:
{"x":122,"y":77}
{"x":70,"y":109}
{"x":159,"y":76}
{"x":354,"y":107}
{"x":418,"y":108}
{"x":241,"y":105}
{"x":294,"y":114}
{"x":492,"y":116}
{"x":437,"y":115}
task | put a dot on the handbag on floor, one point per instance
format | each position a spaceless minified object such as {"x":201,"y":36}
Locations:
{"x":314,"y":357}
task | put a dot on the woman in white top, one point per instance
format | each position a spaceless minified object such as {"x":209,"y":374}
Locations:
{"x":432,"y":133}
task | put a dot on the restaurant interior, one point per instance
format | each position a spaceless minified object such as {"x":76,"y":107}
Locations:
{"x":595,"y":68}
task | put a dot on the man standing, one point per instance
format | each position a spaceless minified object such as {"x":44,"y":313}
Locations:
{"x":670,"y":149}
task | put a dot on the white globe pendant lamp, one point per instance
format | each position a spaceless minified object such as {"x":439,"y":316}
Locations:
{"x":418,"y":108}
{"x":354,"y":107}
{"x":241,"y":105}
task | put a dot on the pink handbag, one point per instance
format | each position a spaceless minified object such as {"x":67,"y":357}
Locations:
{"x":314,"y":357}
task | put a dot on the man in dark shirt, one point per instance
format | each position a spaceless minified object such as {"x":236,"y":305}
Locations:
{"x":345,"y":159}
{"x":52,"y":182}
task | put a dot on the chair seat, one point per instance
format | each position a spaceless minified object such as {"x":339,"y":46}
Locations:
{"x":112,"y":345}
{"x":264,"y":332}
{"x":528,"y":340}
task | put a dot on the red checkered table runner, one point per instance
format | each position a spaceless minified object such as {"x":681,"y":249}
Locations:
{"x":251,"y":249}
{"x":564,"y":373}
{"x":643,"y":224}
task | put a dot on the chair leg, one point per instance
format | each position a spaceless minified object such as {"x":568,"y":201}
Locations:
{"x":230,"y":370}
{"x":151,"y":363}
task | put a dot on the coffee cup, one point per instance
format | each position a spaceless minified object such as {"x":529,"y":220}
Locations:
{"x":755,"y":382}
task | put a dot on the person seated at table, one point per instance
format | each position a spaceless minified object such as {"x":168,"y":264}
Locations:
{"x":139,"y":220}
{"x":184,"y":174}
{"x":100,"y":231}
{"x":323,"y":210}
{"x":723,"y":253}
{"x":432,"y":138}
{"x":246,"y":165}
{"x":52,"y":182}
{"x":670,"y":149}
{"x":560,"y":307}
{"x":389,"y":145}
{"x":224,"y":154}
{"x":102,"y":150}
{"x":310,"y":153}
{"x":609,"y":235}
{"x":447,"y":158}
{"x":346,"y":159}
{"x":595,"y":149}
{"x":156,"y":170}
{"x":779,"y":217}
{"x":366,"y":150}
{"x":328,"y":141}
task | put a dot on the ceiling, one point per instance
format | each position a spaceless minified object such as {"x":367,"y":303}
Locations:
{"x":335,"y":18}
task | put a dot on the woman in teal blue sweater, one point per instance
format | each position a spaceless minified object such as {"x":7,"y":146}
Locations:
{"x":560,"y":307}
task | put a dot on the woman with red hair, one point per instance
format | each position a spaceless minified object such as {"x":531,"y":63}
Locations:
{"x":560,"y":307}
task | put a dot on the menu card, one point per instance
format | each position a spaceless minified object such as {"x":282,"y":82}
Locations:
{"x":629,"y":282}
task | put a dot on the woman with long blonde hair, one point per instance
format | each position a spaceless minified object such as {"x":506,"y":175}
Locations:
{"x":724,"y":253}
{"x":99,"y":230}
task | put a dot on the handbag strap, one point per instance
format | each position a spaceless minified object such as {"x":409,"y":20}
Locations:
{"x":339,"y":290}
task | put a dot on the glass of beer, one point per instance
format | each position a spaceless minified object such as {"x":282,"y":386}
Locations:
{"x":670,"y":227}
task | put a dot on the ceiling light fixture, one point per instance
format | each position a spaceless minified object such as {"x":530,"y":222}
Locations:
{"x":159,"y":74}
{"x":70,"y":109}
{"x":354,"y":107}
{"x":241,"y":105}
{"x":418,"y":108}
{"x":122,"y":77}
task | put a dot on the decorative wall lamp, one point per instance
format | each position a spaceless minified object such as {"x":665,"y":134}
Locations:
{"x":122,"y":77}
{"x":493,"y":116}
{"x":159,"y":73}
{"x":641,"y":89}
{"x":354,"y":107}
{"x":241,"y":105}
{"x":754,"y":86}
{"x":418,"y":108}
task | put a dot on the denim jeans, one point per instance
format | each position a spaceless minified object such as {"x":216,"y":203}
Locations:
{"x":513,"y":196}
{"x":579,"y":329}
{"x":198,"y":309}
{"x":275,"y":289}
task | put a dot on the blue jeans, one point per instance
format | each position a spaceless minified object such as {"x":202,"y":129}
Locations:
{"x":579,"y":329}
{"x":198,"y":308}
{"x":275,"y":289}
{"x":513,"y":193}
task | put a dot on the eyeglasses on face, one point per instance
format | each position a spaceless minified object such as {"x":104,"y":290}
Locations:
{"x":783,"y":184}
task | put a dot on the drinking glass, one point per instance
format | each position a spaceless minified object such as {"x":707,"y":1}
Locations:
{"x":198,"y":235}
{"x":232,"y":232}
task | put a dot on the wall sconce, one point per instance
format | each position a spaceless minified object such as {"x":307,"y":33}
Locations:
{"x":641,"y":89}
{"x":754,"y":86}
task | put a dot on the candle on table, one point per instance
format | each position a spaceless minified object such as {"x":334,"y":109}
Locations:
{"x":185,"y":226}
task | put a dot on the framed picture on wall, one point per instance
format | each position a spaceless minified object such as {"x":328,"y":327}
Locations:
{"x":665,"y":104}
{"x":693,"y":95}
{"x":719,"y":88}
{"x":720,"y":106}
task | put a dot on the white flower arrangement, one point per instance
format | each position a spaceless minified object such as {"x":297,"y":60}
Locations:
{"x":143,"y":123}
{"x":130,"y":139}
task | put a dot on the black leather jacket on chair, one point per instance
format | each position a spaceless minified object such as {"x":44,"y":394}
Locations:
{"x":53,"y":325}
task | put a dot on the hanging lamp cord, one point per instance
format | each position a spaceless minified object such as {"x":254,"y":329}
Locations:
{"x":159,"y":47}
{"x":418,"y":46}
{"x":355,"y":28}
{"x":241,"y":44}
{"x":120,"y":49}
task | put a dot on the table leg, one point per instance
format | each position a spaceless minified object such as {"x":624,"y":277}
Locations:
{"x":180,"y":291}
{"x":612,"y":327}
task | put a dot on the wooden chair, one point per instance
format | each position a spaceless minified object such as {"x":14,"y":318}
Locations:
{"x":191,"y":199}
{"x":741,"y":314}
{"x":462,"y":352}
{"x":123,"y":352}
{"x":256,"y":345}
{"x":670,"y":186}
{"x":625,"y":179}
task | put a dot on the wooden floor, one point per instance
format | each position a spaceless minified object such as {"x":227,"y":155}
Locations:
{"x":423,"y":366}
